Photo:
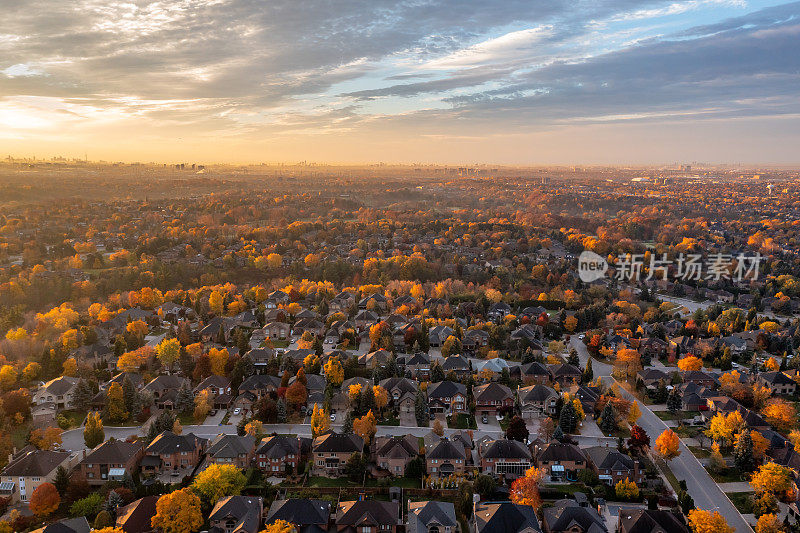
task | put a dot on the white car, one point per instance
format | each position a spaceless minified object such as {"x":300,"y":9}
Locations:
{"x":333,"y":418}
{"x":237,"y":411}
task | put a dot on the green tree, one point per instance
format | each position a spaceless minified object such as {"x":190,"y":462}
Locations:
{"x":743,"y":452}
{"x":356,"y":467}
{"x":568,"y":420}
{"x":437,"y":373}
{"x":421,"y":409}
{"x":674,"y":400}
{"x":588,"y":373}
{"x":93,"y":433}
{"x":61,"y":480}
{"x":83,"y":395}
{"x":608,"y":419}
{"x":484,"y":485}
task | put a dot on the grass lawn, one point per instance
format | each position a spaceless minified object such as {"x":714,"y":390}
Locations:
{"x":187,"y":419}
{"x":673,"y":481}
{"x":730,"y":475}
{"x":742,"y":500}
{"x":74,"y":417}
{"x":462,"y":421}
{"x":277,"y":343}
{"x":700,"y":453}
{"x":19,"y":435}
{"x":389,"y":422}
{"x":405,"y":482}
{"x":318,"y":481}
{"x":669,"y":415}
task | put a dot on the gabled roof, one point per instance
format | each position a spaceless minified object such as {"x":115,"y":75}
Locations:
{"x":400,"y":447}
{"x":230,"y":446}
{"x":776,"y":378}
{"x":68,"y":525}
{"x":536,"y":393}
{"x":245,"y":510}
{"x":649,"y":521}
{"x":301,"y":512}
{"x":455,"y":362}
{"x":113,"y":451}
{"x":446,"y":389}
{"x":35,"y":463}
{"x":566,"y":514}
{"x":505,"y":517}
{"x":338,"y":442}
{"x":558,"y":451}
{"x":445,"y":449}
{"x":606,"y":458}
{"x":135,"y":517}
{"x":60,"y":386}
{"x":421,"y":515}
{"x":277,"y":446}
{"x":506,"y":449}
{"x":402,"y":384}
{"x":168,"y":443}
{"x":372,"y":512}
{"x":492,"y":392}
{"x":260,"y":382}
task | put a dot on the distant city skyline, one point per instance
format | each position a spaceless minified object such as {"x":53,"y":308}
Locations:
{"x":608,"y":82}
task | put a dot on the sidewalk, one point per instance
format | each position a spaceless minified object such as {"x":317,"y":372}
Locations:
{"x":736,"y":486}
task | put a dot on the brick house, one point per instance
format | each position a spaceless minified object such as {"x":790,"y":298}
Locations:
{"x":492,"y":398}
{"x":505,"y":457}
{"x":367,"y":516}
{"x":561,"y":462}
{"x":171,"y":452}
{"x":394,"y":453}
{"x":447,"y":397}
{"x":110,"y":460}
{"x":613,"y":466}
{"x":278,"y":454}
{"x":445,"y":457}
{"x":231,"y":450}
{"x":331,"y":451}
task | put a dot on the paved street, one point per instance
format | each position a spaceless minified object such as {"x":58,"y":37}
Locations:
{"x":702,"y":488}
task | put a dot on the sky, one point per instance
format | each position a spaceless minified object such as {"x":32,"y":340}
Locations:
{"x":418,"y":81}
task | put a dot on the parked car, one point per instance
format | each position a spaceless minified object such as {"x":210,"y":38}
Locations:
{"x":237,"y":411}
{"x":485,"y":419}
{"x":333,"y":418}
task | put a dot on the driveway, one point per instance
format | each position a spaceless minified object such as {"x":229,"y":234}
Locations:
{"x":408,"y":419}
{"x":492,"y":424}
{"x":590,"y":428}
{"x":702,"y":488}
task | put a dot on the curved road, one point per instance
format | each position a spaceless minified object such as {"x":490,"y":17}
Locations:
{"x":702,"y":488}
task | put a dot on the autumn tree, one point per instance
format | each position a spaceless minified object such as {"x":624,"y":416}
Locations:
{"x":525,"y":489}
{"x":296,"y":394}
{"x":702,"y":521}
{"x":254,"y":428}
{"x":70,"y":367}
{"x":365,"y":427}
{"x":781,"y":414}
{"x":279,"y":526}
{"x":202,"y":405}
{"x":633,"y":414}
{"x":381,"y":397}
{"x":626,"y":490}
{"x":690,"y":362}
{"x":44,"y":500}
{"x":320,"y":422}
{"x":115,"y":403}
{"x":218,"y":359}
{"x":168,"y":352}
{"x":639,"y":437}
{"x":628,"y":361}
{"x":772,"y":477}
{"x":769,"y":523}
{"x":8,"y":377}
{"x":334,"y":372}
{"x":93,"y":433}
{"x":218,"y":481}
{"x":668,"y":445}
{"x":178,"y":512}
{"x":46,"y":439}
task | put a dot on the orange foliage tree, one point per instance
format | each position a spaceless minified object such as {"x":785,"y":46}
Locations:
{"x":44,"y":500}
{"x":668,"y":445}
{"x":525,"y":489}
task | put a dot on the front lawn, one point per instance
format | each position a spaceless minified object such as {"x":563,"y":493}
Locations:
{"x":319,"y":481}
{"x":700,"y":453}
{"x":74,"y":418}
{"x":669,"y":415}
{"x":742,"y":500}
{"x":461,"y":421}
{"x":389,"y":422}
{"x":730,"y":475}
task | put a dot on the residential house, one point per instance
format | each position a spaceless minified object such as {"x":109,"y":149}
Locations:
{"x":237,"y":514}
{"x":458,"y":364}
{"x":331,"y":452}
{"x":419,"y":366}
{"x":537,"y":401}
{"x":171,"y":452}
{"x":220,"y":389}
{"x":652,"y":376}
{"x":30,"y":468}
{"x":308,"y":516}
{"x":164,"y":389}
{"x":777,"y":382}
{"x":67,"y":525}
{"x":394,"y":453}
{"x":367,"y":516}
{"x":135,"y":517}
{"x":278,"y":454}
{"x":504,"y":517}
{"x":561,"y":461}
{"x":505,"y":457}
{"x":568,"y":516}
{"x":376,"y":359}
{"x":231,"y":450}
{"x":492,"y":398}
{"x":475,"y":339}
{"x":110,"y":460}
{"x":58,"y":391}
{"x":649,"y":521}
{"x":439,"y":334}
{"x":498,"y":311}
{"x":260,"y":357}
{"x":445,"y":457}
{"x":432,"y":517}
{"x":400,"y":389}
{"x":565,"y":374}
{"x":260,"y":385}
{"x":447,"y":397}
{"x":44,"y":415}
{"x":613,"y":466}
{"x":277,"y":331}
{"x":699,"y":377}
{"x":531,"y":373}
{"x":587,"y":395}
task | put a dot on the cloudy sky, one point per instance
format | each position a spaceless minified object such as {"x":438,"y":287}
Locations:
{"x":511,"y":81}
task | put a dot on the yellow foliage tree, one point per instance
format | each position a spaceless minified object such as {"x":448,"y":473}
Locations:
{"x":780,"y":414}
{"x":219,"y":358}
{"x":320,"y":422}
{"x":178,"y":512}
{"x":634,"y":413}
{"x":381,"y":397}
{"x":202,"y":405}
{"x":525,"y":489}
{"x":334,"y":372}
{"x":218,"y":481}
{"x":168,"y":351}
{"x":626,"y":490}
{"x":769,"y":523}
{"x":668,"y":445}
{"x":365,"y":427}
{"x":70,"y":367}
{"x":702,"y":521}
{"x":279,"y":526}
{"x":772,"y":477}
{"x":690,"y":362}
{"x":254,"y":428}
{"x":8,"y":377}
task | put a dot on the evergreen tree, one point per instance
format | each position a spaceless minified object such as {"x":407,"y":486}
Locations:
{"x":61,"y":480}
{"x":568,"y":420}
{"x":347,"y":427}
{"x":437,"y":373}
{"x":588,"y":373}
{"x":83,"y":395}
{"x":113,"y":503}
{"x":743,"y":453}
{"x":241,"y":370}
{"x":421,"y":409}
{"x":674,"y":400}
{"x":558,"y":434}
{"x":184,"y":401}
{"x":608,"y":422}
{"x":573,"y":357}
{"x":129,"y":394}
{"x":661,"y":392}
{"x":281,"y":409}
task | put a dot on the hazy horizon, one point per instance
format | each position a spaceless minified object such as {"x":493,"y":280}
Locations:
{"x":614,"y":82}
